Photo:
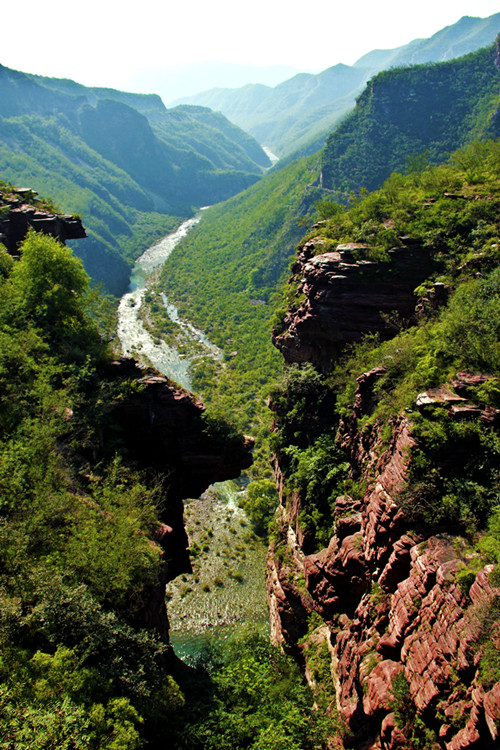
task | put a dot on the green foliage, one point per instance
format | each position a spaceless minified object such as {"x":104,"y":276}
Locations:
{"x":259,"y":503}
{"x":312,"y":463}
{"x":465,"y":579}
{"x":255,"y":699}
{"x":77,"y":560}
{"x":472,"y":324}
{"x":427,"y":110}
{"x":488,"y":641}
{"x":106,"y":545}
{"x":305,"y":406}
{"x":489,"y":544}
{"x":47,"y":288}
{"x":328,"y":209}
{"x":318,"y":474}
{"x":417,"y":734}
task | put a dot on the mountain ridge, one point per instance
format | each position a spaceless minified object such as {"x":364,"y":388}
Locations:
{"x":260,"y":111}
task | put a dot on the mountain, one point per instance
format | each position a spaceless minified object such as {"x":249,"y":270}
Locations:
{"x":301,"y":111}
{"x":123,"y":161}
{"x":432,"y":109}
{"x":383,"y":573}
{"x":192,"y":78}
{"x":457,"y":40}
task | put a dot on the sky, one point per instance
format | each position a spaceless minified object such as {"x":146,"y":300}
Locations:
{"x":106,"y":42}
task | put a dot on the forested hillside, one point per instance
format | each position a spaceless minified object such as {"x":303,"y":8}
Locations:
{"x":96,"y":456}
{"x":426,"y":111}
{"x":375,"y":446}
{"x":130,"y":167}
{"x":223,"y":275}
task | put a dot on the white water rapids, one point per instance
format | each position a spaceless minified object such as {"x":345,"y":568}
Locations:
{"x":134,"y":338}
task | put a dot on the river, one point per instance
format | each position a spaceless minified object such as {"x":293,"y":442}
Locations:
{"x":227,"y":588}
{"x":135,"y":339}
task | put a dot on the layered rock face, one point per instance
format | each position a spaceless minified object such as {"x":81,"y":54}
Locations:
{"x":18,"y":214}
{"x":392,"y":605}
{"x":403,"y":634}
{"x":345,"y":298}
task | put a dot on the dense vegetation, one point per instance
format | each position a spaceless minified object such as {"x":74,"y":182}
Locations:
{"x":77,"y":557}
{"x":255,"y":699}
{"x":78,"y":562}
{"x":223,"y":275}
{"x":431,"y":109}
{"x":130,"y":167}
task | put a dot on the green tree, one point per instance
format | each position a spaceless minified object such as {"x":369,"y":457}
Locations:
{"x":48,"y":287}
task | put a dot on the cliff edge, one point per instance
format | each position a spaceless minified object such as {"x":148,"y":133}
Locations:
{"x":382,"y":580}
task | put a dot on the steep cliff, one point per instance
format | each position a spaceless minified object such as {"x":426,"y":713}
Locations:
{"x":160,"y":428}
{"x":408,"y":112}
{"x":346,"y":298}
{"x":382,"y":579}
{"x":20,"y":209}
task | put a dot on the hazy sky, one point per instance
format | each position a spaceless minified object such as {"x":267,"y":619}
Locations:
{"x":103,"y":42}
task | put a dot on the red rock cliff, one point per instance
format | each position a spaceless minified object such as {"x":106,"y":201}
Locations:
{"x":389,"y":598}
{"x":345,"y":298}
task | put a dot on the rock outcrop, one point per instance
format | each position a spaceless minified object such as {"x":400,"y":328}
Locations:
{"x":160,"y":427}
{"x":403,"y":627}
{"x":18,"y":213}
{"x":345,"y":298}
{"x":393,"y":605}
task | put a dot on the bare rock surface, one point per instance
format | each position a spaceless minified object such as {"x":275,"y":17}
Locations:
{"x":19,"y":215}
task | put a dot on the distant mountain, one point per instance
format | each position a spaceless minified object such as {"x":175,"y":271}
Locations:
{"x":298,"y":113}
{"x":406,"y":112}
{"x":122,"y":160}
{"x":191,"y":78}
{"x":467,"y":35}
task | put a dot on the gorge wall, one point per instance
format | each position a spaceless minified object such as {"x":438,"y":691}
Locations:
{"x":341,"y":297}
{"x":160,"y":427}
{"x":399,"y":631}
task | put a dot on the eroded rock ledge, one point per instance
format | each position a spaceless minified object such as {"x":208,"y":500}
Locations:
{"x":161,"y":428}
{"x":18,"y":213}
{"x":346,"y":298}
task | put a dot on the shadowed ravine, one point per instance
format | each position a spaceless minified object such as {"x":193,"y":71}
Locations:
{"x":227,"y":587}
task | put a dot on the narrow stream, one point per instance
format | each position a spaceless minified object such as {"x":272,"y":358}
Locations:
{"x":227,"y":588}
